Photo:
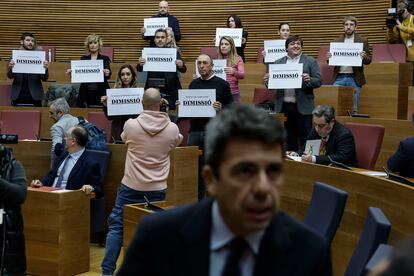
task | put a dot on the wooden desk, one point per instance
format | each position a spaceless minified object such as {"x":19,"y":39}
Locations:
{"x":395,"y":200}
{"x":399,"y":74}
{"x":56,"y":229}
{"x":410,"y":106}
{"x":340,"y":97}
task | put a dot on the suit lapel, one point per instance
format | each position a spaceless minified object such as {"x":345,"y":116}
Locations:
{"x":77,"y":166}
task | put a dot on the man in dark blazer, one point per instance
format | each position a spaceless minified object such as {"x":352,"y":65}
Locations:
{"x":337,"y":142}
{"x":347,"y":75}
{"x":27,"y":88}
{"x":77,"y":169}
{"x":402,"y":160}
{"x":240,"y":229}
{"x":297,"y":104}
{"x":171,"y":80}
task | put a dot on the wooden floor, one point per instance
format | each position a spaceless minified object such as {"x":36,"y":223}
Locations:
{"x":97,"y":253}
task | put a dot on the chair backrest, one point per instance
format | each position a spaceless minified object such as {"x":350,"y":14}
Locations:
{"x":323,"y":50}
{"x":184,"y":127}
{"x":49,"y":49}
{"x":260,"y":57}
{"x":383,"y":251}
{"x":99,"y":119}
{"x":5,"y":94}
{"x":262,"y":94}
{"x":102,"y":157}
{"x":325,"y":210}
{"x":108,"y":51}
{"x":211,"y":51}
{"x":368,"y":141}
{"x":376,"y":230}
{"x":24,"y":123}
{"x":389,"y":53}
{"x":326,"y":73}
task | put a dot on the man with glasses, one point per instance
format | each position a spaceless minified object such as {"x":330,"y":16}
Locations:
{"x":337,"y":142}
{"x":297,"y":104}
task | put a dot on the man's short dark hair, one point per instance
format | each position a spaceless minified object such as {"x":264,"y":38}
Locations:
{"x":80,"y":135}
{"x":327,"y":111}
{"x":161,"y":30}
{"x":293,"y":38}
{"x":245,"y":122}
{"x":25,"y":34}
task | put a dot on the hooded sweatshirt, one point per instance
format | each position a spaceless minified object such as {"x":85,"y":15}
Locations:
{"x":150,"y":139}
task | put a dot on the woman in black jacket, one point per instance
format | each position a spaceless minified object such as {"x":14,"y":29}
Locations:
{"x":13,"y":191}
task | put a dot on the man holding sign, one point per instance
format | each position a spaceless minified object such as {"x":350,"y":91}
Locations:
{"x":297,"y":103}
{"x":352,"y":75}
{"x":27,"y":86}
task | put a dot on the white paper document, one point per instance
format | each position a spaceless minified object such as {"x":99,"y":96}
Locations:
{"x":87,"y":71}
{"x":196,"y":103}
{"x":218,"y":68}
{"x":160,"y":59}
{"x":312,"y":147}
{"x":275,"y":49}
{"x":153,"y":24}
{"x":124,"y":101}
{"x":30,"y":62}
{"x":235,"y":33}
{"x":346,"y":54}
{"x":285,"y":76}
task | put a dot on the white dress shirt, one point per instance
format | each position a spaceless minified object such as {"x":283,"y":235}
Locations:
{"x":290,"y":95}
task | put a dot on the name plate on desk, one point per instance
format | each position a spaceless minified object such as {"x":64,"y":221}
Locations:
{"x":153,"y":24}
{"x":124,"y":101}
{"x":285,"y":76}
{"x":29,"y":62}
{"x":87,"y":71}
{"x":196,"y":103}
{"x":346,"y":54}
{"x":235,"y":33}
{"x":160,"y":59}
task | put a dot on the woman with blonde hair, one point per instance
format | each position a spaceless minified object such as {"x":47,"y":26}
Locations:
{"x":126,"y":78}
{"x":91,"y":93}
{"x":235,"y":65}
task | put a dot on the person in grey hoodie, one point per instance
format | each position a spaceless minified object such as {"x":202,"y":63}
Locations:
{"x":150,"y":138}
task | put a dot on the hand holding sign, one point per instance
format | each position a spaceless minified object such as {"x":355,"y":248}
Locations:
{"x":346,"y":54}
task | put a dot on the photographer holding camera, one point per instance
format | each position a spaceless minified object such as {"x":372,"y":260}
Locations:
{"x":13,"y":191}
{"x":403,"y":30}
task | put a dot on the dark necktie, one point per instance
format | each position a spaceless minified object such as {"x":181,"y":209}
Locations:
{"x":322,"y":148}
{"x":62,"y":172}
{"x":236,"y":248}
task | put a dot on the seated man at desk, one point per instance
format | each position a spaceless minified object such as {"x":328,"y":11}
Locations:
{"x":402,"y":160}
{"x":76,"y":169}
{"x":337,"y":142}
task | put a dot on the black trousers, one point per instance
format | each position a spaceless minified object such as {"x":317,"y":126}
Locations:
{"x":297,"y":126}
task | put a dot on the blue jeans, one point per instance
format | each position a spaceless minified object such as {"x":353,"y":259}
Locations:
{"x":114,"y":238}
{"x":349,"y":80}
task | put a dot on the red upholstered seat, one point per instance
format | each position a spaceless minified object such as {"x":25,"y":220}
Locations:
{"x":184,"y":127}
{"x":108,"y":51}
{"x":368,"y":141}
{"x":52,"y":49}
{"x":260,"y":57}
{"x":99,"y":119}
{"x":211,"y":51}
{"x":5,"y":94}
{"x":389,"y":53}
{"x":322,"y":52}
{"x":326,"y":73}
{"x":262,"y":94}
{"x":24,"y":123}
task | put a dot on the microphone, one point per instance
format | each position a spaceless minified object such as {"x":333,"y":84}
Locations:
{"x":338,"y":164}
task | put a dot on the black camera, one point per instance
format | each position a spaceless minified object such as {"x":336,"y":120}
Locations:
{"x":6,"y":154}
{"x":393,"y":15}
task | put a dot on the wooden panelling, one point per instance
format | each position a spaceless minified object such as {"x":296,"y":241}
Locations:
{"x":66,"y":23}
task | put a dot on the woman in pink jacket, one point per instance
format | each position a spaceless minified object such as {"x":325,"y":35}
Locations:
{"x":235,"y":65}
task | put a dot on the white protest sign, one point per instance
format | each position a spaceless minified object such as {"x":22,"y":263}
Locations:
{"x":160,"y":59}
{"x":346,"y":54}
{"x":218,"y":68}
{"x":196,"y":103}
{"x":153,"y":24}
{"x":124,"y":101}
{"x":275,"y":49}
{"x":87,"y":71}
{"x":285,"y":76}
{"x":30,"y":62}
{"x":312,"y":147}
{"x":235,"y":33}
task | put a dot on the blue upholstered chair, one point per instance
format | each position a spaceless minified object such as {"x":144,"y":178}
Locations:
{"x":383,"y":251}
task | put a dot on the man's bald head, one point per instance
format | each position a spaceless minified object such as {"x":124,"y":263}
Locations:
{"x":151,"y":99}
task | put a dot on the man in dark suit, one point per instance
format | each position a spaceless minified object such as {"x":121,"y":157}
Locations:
{"x":27,"y":88}
{"x":347,"y":75}
{"x":337,"y":142}
{"x":402,"y":160}
{"x":297,"y":104}
{"x":240,"y":229}
{"x":76,"y":169}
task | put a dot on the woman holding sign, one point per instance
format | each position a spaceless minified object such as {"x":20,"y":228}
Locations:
{"x":126,"y":78}
{"x":90,"y":93}
{"x":235,"y":65}
{"x":234,"y":21}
